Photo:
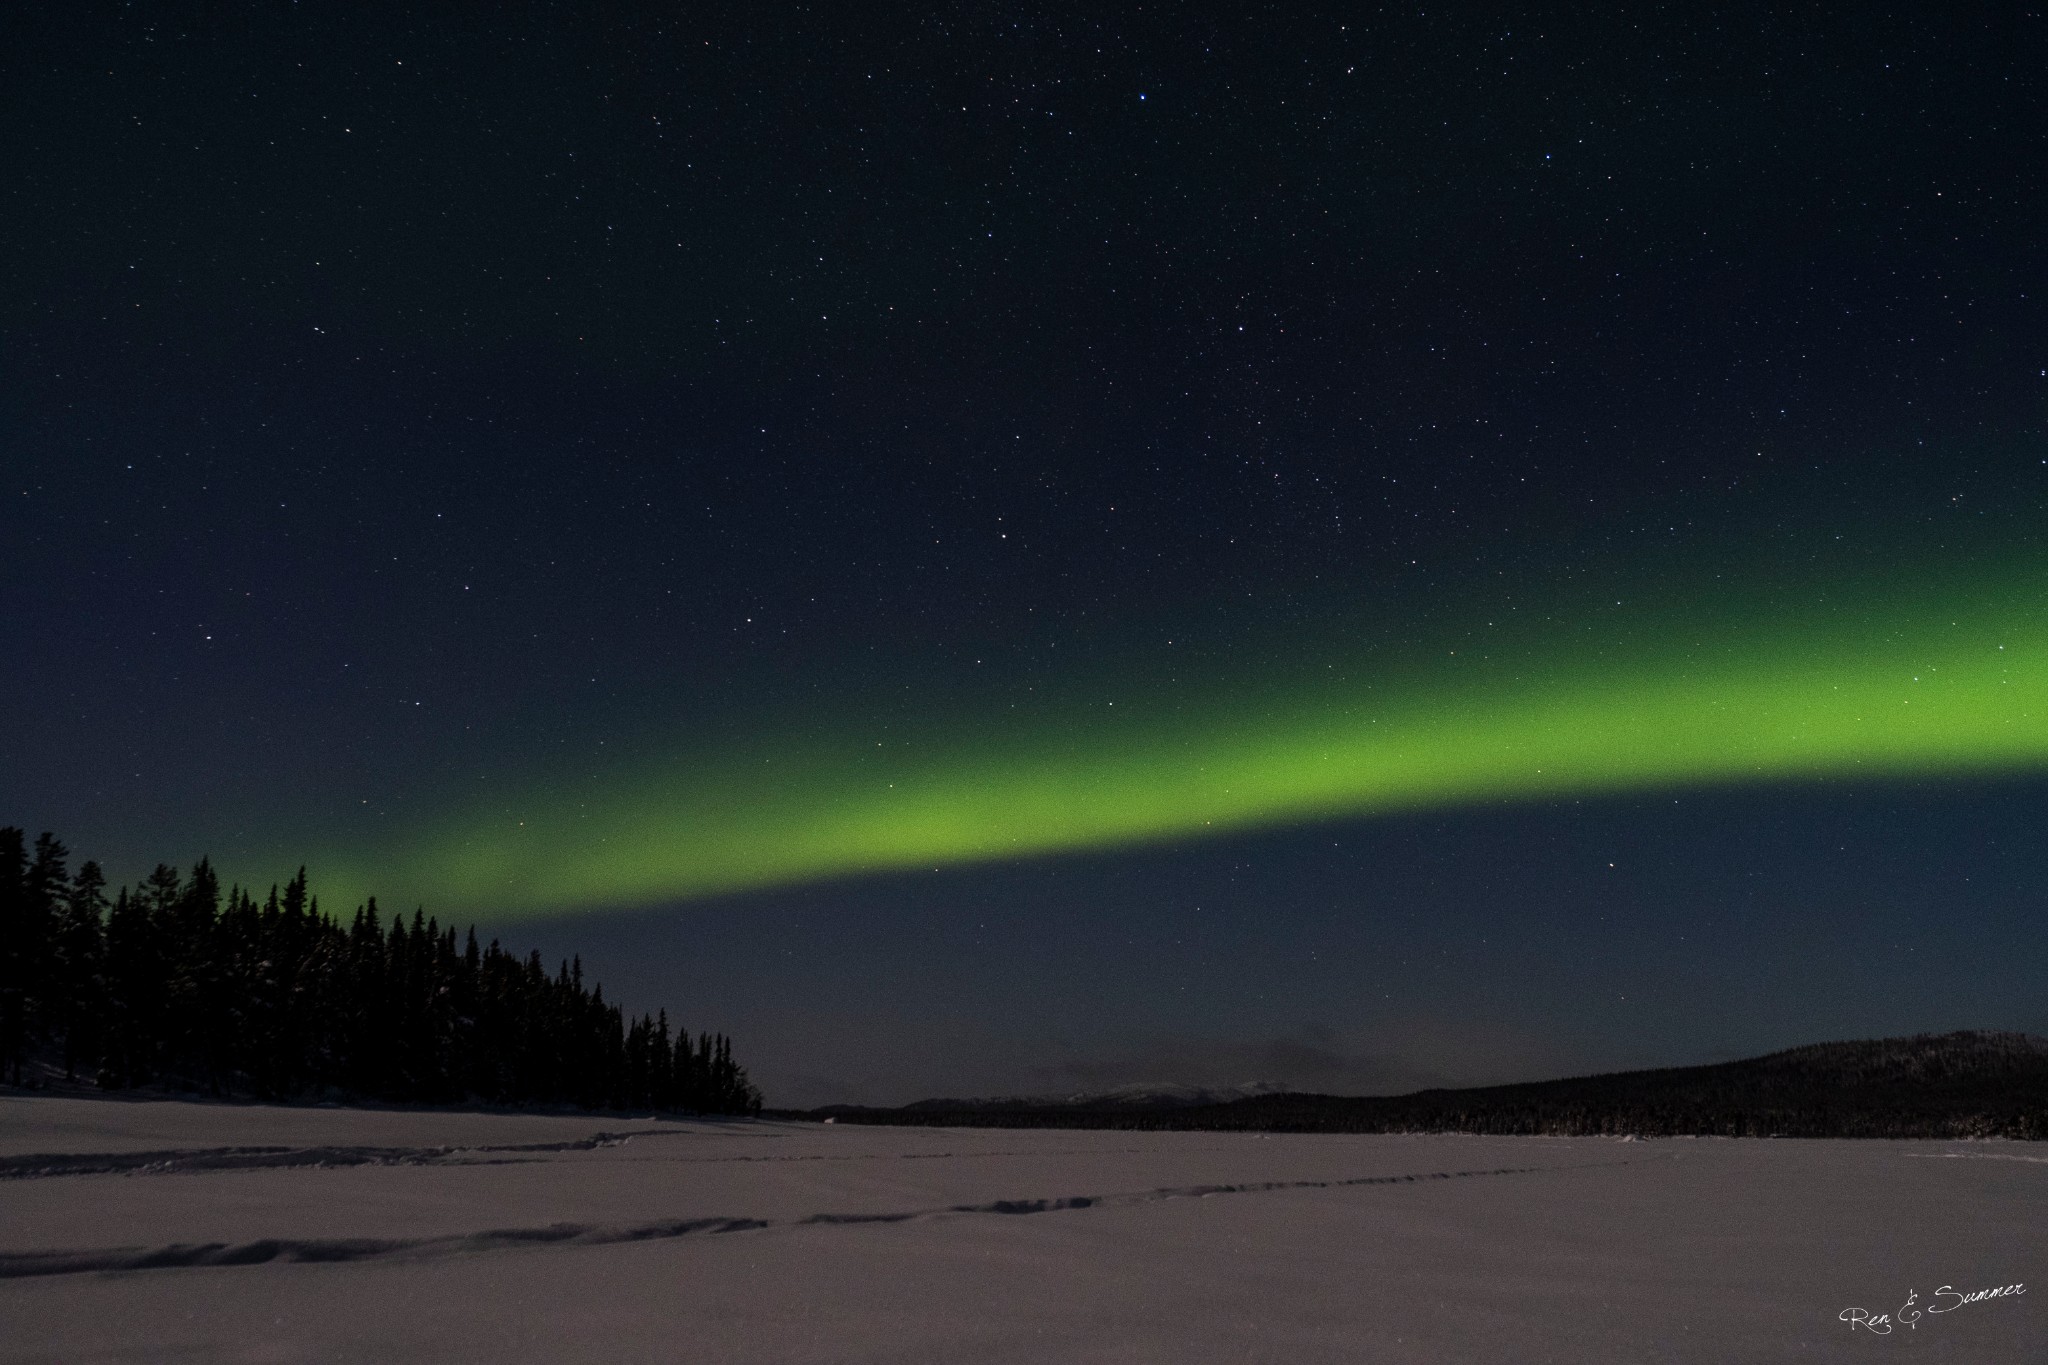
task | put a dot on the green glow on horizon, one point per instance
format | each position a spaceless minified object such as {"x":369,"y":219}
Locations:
{"x":1939,"y":678}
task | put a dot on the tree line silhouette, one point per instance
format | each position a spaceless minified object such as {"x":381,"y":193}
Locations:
{"x":1969,"y":1084}
{"x":174,"y":983}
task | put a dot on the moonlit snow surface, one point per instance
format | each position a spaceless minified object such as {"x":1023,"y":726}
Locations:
{"x":137,"y":1231}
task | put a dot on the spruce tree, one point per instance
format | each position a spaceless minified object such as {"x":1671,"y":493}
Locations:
{"x":79,"y":975}
{"x":42,"y":906}
{"x":16,"y":953}
{"x":133,"y":992}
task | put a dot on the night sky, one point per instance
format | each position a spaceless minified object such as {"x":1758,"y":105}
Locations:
{"x":1011,"y":549}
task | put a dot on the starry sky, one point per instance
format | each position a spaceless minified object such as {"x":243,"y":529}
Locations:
{"x":1000,"y":549}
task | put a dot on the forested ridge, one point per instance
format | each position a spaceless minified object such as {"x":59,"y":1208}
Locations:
{"x":1970,"y":1084}
{"x":176,"y":983}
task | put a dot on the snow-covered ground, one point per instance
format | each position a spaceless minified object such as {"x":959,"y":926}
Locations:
{"x":154,"y":1231}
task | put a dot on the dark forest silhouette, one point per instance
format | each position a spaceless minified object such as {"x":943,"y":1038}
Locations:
{"x":1970,"y":1084}
{"x":173,"y":983}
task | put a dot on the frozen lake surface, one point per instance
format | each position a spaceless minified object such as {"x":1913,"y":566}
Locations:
{"x":166,"y":1231}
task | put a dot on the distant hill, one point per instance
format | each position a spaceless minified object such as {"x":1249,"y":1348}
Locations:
{"x":1140,"y":1096}
{"x":1950,"y":1085}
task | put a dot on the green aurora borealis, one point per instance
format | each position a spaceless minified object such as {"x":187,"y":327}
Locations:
{"x":1937,"y":674}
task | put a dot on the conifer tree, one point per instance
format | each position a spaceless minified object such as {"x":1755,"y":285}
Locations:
{"x":132,"y":989}
{"x":16,"y":953}
{"x":42,"y":902}
{"x":78,"y":978}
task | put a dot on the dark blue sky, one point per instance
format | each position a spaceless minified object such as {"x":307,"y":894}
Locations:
{"x":401,"y":407}
{"x":1377,"y":957}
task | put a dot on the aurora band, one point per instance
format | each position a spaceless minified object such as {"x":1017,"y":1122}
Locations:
{"x":1932,"y":677}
